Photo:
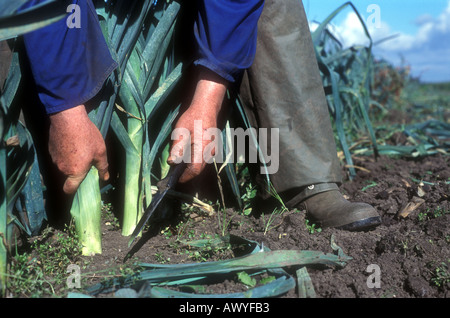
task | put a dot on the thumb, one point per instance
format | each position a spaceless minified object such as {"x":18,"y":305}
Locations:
{"x":72,"y":183}
{"x":177,"y":152}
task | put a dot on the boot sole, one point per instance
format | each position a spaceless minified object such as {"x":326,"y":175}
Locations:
{"x":361,"y":225}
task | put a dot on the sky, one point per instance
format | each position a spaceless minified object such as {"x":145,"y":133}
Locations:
{"x":420,"y":30}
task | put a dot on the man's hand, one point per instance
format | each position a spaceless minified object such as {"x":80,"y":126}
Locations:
{"x":205,"y":107}
{"x":75,"y":144}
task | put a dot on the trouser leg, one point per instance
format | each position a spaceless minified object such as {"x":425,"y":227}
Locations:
{"x":283,"y":89}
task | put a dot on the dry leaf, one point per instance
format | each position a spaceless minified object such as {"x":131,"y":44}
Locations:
{"x":410,"y":207}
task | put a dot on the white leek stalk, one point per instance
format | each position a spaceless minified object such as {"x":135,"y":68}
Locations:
{"x":86,"y":211}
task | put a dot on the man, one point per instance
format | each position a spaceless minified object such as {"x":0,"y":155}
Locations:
{"x":225,"y":34}
{"x":283,"y":89}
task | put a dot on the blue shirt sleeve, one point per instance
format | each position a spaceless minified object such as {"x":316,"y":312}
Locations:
{"x":225,"y":32}
{"x":70,"y":64}
{"x":69,"y":59}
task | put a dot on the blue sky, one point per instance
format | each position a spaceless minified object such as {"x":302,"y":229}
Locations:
{"x":422,"y":29}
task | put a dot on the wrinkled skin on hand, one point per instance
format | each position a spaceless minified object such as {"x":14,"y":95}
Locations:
{"x":205,"y":106}
{"x":75,"y":145}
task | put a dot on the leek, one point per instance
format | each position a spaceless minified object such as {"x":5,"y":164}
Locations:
{"x":86,"y":212}
{"x":133,"y":194}
{"x":144,"y":66}
{"x":3,"y":211}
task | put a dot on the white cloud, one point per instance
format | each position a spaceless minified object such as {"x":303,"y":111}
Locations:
{"x":434,"y":32}
{"x":424,"y":18}
{"x":351,"y":32}
{"x":427,"y":51}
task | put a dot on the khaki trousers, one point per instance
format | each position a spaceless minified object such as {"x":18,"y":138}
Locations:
{"x":283,"y":89}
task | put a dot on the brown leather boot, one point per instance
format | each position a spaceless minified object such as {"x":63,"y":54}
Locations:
{"x":331,"y":209}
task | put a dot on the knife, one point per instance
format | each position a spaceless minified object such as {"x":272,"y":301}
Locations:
{"x":163,"y":187}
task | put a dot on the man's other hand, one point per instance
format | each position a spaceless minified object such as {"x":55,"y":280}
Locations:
{"x":205,"y":107}
{"x":75,"y":145}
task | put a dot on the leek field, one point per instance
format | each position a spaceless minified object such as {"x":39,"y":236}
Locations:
{"x":213,"y":239}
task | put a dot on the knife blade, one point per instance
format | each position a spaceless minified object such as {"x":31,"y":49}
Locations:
{"x":163,"y":187}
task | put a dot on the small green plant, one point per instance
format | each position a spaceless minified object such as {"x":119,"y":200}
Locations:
{"x":432,"y":214}
{"x":167,"y":233}
{"x":441,"y":275}
{"x":109,"y":217}
{"x":370,"y":185}
{"x":439,"y":211}
{"x":269,"y":219}
{"x":251,"y":281}
{"x":160,"y":258}
{"x":404,"y":246}
{"x":39,"y":272}
{"x":277,"y":212}
{"x":209,"y":249}
{"x":247,"y":198}
{"x":422,"y":216}
{"x":246,"y":279}
{"x":59,"y":251}
{"x":312,"y":228}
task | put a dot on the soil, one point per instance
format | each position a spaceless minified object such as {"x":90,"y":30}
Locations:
{"x":411,"y":248}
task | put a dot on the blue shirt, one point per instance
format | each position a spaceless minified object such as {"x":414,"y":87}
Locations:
{"x":70,"y":64}
{"x":225,"y":33}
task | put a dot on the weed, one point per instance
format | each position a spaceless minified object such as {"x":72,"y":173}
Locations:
{"x":438,"y":212}
{"x":252,"y":281}
{"x":247,"y":198}
{"x":207,"y":250}
{"x":37,"y":273}
{"x":277,"y":212}
{"x":432,"y":214}
{"x":167,"y":233}
{"x":312,"y":228}
{"x":59,"y":251}
{"x":404,"y":246}
{"x":269,"y":219}
{"x":109,"y":217}
{"x":160,"y":258}
{"x":422,"y":216}
{"x":370,"y":185}
{"x":246,"y":279}
{"x":441,"y":275}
